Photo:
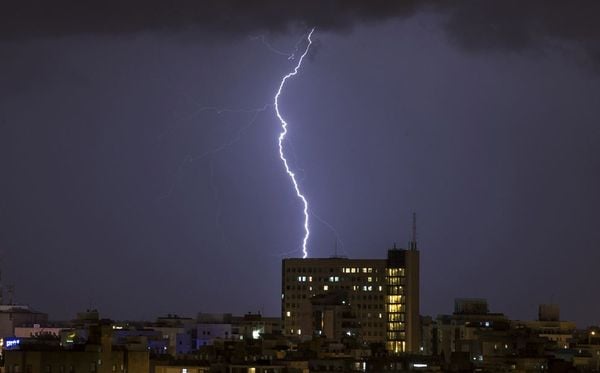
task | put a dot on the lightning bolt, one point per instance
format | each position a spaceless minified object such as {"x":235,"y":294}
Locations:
{"x":282,"y":136}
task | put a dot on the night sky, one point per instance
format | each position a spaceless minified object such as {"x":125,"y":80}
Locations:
{"x":139,"y":164}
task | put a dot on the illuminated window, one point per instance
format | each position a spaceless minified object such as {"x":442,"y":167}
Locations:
{"x":369,"y":279}
{"x":380,"y":288}
{"x":299,"y":331}
{"x":325,"y":287}
{"x":288,"y":314}
{"x":394,"y":298}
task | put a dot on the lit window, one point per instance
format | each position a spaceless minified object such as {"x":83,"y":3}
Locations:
{"x":380,"y":288}
{"x":299,"y":331}
{"x":288,"y":314}
{"x":325,"y":287}
{"x":369,"y":279}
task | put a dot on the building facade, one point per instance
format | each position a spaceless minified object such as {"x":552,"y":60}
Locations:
{"x":98,"y":355}
{"x":12,"y":316}
{"x":374,"y":300}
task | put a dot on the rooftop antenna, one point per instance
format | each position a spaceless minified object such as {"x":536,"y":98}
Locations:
{"x":413,"y":240}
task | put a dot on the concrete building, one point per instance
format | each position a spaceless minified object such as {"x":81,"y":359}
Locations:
{"x":12,"y":316}
{"x":459,"y":332}
{"x":332,"y":315}
{"x":97,"y":355}
{"x":549,"y":326}
{"x":254,"y":325}
{"x":382,"y":295}
{"x":212,"y":327}
{"x":28,"y":331}
{"x":179,"y":368}
{"x":179,"y":332}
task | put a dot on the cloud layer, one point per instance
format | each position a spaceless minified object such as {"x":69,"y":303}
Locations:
{"x":507,"y":25}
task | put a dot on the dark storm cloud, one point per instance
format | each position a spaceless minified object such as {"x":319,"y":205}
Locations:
{"x":40,"y":18}
{"x":480,"y":26}
{"x":514,"y":25}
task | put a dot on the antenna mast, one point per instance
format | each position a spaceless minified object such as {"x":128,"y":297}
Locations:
{"x":413,"y":240}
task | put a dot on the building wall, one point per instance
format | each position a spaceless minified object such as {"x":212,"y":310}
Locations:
{"x":362,"y":279}
{"x":402,"y":303}
{"x":180,"y":369}
{"x":208,"y":333}
{"x":170,"y":333}
{"x":26,"y":332}
{"x":76,"y":361}
{"x":11,"y":317}
{"x":413,"y":319}
{"x":375,"y":288}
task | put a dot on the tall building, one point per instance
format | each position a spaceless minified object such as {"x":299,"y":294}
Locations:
{"x":375,"y":300}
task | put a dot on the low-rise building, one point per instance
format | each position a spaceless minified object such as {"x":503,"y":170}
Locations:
{"x":97,"y":355}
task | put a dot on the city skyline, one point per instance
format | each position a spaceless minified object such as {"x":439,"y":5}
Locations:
{"x":141,"y":174}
